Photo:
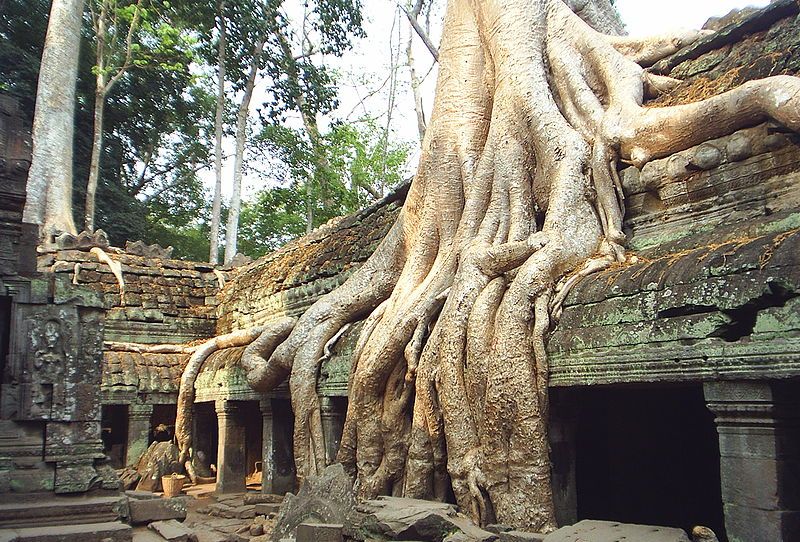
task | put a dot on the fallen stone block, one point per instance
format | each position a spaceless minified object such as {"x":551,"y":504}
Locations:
{"x":172,"y":531}
{"x":412,"y":519}
{"x":326,"y":498}
{"x":609,"y":531}
{"x":520,"y":536}
{"x":147,"y":511}
{"x":319,"y":532}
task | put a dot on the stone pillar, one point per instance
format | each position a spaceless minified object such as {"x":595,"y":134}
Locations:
{"x":138,"y":432}
{"x":759,"y":442}
{"x":231,"y":469}
{"x":267,"y":447}
{"x":332,"y":427}
{"x":563,"y":445}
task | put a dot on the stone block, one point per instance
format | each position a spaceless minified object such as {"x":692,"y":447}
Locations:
{"x":141,"y":495}
{"x":520,"y":536}
{"x":319,"y":532}
{"x":610,"y":531}
{"x":267,"y":508}
{"x":147,"y":511}
{"x":172,"y":531}
{"x":761,"y":483}
{"x":750,"y":524}
{"x":91,"y":532}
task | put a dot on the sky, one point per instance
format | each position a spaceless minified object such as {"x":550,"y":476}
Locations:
{"x":368,"y":66}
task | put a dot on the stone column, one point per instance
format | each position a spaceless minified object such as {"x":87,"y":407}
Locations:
{"x":138,"y":432}
{"x":231,"y":469}
{"x":759,"y":443}
{"x":332,"y":427}
{"x":563,"y":444}
{"x":267,"y":447}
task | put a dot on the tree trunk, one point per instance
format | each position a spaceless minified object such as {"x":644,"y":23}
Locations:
{"x":97,"y":150}
{"x":49,"y":191}
{"x":517,"y":188}
{"x":415,"y":89}
{"x":232,"y":227}
{"x":216,"y":207}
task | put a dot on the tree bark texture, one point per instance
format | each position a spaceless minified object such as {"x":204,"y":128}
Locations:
{"x":516,"y":196}
{"x":49,"y":191}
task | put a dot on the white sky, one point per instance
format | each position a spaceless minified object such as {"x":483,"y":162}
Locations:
{"x":368,"y":66}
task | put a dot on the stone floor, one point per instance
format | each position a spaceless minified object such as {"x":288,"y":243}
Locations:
{"x":221,"y":518}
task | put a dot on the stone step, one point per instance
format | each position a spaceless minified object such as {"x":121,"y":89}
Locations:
{"x":49,"y":510}
{"x":113,"y":531}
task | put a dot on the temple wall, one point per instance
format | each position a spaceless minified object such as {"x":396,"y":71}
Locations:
{"x":163,"y":300}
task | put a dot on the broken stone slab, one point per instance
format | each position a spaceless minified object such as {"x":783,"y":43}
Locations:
{"x":147,"y":511}
{"x":327,"y":498}
{"x":399,"y":518}
{"x":520,"y":536}
{"x":610,"y":531}
{"x":267,"y":508}
{"x":319,"y":532}
{"x":247,"y":511}
{"x":172,"y":531}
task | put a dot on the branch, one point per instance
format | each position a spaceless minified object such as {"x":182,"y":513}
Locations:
{"x":128,"y":48}
{"x":421,"y":31}
{"x":172,"y":184}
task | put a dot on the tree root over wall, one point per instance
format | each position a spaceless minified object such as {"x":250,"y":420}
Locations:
{"x":517,"y":188}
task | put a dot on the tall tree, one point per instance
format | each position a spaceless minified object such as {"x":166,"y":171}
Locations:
{"x":49,"y":193}
{"x":289,"y":52}
{"x":536,"y":105}
{"x":128,"y":34}
{"x":219,"y":133}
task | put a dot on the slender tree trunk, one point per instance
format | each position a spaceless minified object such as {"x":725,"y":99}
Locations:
{"x":232,"y":228}
{"x":49,"y":191}
{"x":216,"y":207}
{"x":415,"y":89}
{"x":97,"y":150}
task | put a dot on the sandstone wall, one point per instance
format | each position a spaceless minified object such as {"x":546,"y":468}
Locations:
{"x":163,"y":300}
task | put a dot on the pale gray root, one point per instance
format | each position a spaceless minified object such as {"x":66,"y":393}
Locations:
{"x":274,"y":333}
{"x":49,"y":190}
{"x":517,"y":190}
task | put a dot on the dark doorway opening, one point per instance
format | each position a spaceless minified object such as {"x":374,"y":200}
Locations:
{"x":283,"y":452}
{"x":250,"y":416}
{"x":114,"y":423}
{"x":648,"y":455}
{"x":206,"y":431}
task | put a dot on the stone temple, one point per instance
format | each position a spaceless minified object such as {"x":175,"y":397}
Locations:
{"x":675,"y":380}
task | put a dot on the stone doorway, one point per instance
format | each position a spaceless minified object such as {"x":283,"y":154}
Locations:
{"x":647,"y":455}
{"x":114,"y":424}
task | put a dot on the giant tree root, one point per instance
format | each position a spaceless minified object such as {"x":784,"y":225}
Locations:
{"x":517,"y":187}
